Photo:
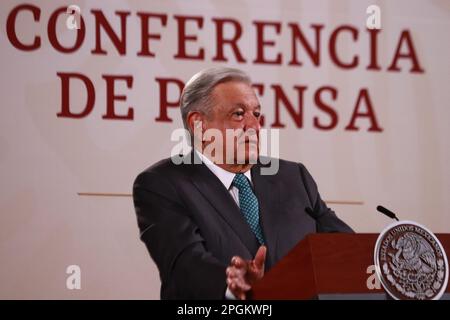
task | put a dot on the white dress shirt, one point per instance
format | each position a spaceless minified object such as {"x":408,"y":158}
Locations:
{"x":226,"y":178}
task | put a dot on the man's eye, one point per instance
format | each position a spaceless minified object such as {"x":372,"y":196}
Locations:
{"x":257,"y":114}
{"x":239,"y":113}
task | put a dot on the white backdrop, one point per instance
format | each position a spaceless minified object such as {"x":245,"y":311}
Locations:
{"x":47,"y":161}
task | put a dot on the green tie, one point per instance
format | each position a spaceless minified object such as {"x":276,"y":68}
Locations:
{"x":248,"y":204}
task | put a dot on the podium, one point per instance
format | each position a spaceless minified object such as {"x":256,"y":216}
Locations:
{"x":328,"y":266}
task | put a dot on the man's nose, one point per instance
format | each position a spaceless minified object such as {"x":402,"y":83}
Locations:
{"x":252,"y":122}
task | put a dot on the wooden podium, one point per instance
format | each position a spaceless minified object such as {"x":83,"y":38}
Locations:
{"x":327,"y":266}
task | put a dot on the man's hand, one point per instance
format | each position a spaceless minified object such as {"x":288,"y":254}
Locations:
{"x":242,"y":274}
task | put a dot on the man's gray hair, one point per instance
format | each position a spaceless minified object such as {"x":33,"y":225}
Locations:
{"x":197,"y":93}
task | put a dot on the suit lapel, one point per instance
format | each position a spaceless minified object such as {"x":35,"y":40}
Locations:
{"x":267,"y":192}
{"x":219,"y":197}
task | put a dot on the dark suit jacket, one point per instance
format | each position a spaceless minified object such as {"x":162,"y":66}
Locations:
{"x":192,"y":226}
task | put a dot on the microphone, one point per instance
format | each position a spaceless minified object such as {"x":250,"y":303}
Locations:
{"x":387,"y":212}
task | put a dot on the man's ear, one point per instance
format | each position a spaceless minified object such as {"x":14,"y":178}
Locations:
{"x":195,"y":121}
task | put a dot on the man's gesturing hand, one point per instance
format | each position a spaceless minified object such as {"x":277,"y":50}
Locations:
{"x":242,"y":274}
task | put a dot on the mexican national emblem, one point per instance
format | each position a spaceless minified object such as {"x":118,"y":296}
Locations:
{"x":411,"y":262}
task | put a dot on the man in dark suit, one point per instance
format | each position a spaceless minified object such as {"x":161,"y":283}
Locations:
{"x":213,"y":222}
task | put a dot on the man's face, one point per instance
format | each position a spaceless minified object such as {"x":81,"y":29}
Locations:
{"x":235,"y":107}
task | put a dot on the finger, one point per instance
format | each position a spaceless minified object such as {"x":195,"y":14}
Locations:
{"x":260,"y":257}
{"x":238,"y":284}
{"x":235,"y":272}
{"x":238,"y":262}
{"x":232,"y":285}
{"x":241,"y":283}
{"x":235,"y":289}
{"x":236,"y":279}
{"x":232,"y":274}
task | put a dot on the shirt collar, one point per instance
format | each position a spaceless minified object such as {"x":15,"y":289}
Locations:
{"x":226,"y":177}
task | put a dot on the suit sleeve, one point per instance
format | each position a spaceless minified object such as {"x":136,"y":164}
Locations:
{"x":187,"y":269}
{"x":326,"y":219}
